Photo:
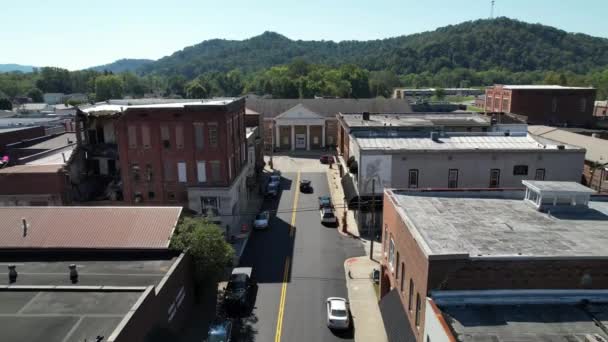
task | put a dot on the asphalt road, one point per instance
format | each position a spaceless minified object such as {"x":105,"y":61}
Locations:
{"x":313,"y":256}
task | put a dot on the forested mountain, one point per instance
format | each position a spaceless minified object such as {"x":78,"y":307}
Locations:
{"x":16,"y":67}
{"x":479,"y":45}
{"x":122,"y":65}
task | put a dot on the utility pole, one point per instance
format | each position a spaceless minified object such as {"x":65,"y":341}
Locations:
{"x":492,"y":10}
{"x":372,"y":229}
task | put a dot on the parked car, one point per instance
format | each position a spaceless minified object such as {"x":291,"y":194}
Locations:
{"x":306,"y":186}
{"x":239,"y":295}
{"x":220,"y":331}
{"x":337,"y":313}
{"x":326,"y":159}
{"x":272,"y":190}
{"x":327,"y":216}
{"x":325,"y":202}
{"x":261,"y":220}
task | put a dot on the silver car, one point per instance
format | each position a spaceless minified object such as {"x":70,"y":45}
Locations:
{"x":337,"y":313}
{"x":261,"y":220}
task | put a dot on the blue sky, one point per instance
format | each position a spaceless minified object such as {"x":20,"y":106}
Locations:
{"x":78,"y":34}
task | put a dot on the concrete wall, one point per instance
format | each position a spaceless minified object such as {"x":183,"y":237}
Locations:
{"x":474,"y":167}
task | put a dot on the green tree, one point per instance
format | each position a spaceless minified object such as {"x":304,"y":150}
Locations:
{"x":108,"y":87}
{"x":205,"y":242}
{"x":133,"y":85}
{"x":54,"y":80}
{"x":36,"y":95}
{"x":195,"y":90}
{"x":381,"y":83}
{"x":5,"y":103}
{"x":439,"y":94}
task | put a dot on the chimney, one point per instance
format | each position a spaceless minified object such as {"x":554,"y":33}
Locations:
{"x":73,"y":273}
{"x":24,"y":226}
{"x":366,"y":116}
{"x":12,"y":274}
{"x":435,"y":136}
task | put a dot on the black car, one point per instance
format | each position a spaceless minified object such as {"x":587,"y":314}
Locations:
{"x":240,"y":292}
{"x":306,"y":186}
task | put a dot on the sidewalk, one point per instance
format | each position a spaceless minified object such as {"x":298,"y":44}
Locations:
{"x":248,"y":212}
{"x":363,"y":300}
{"x":361,"y":293}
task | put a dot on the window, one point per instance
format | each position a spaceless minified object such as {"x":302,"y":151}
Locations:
{"x":168,"y":170}
{"x":489,"y":103}
{"x":453,"y":178}
{"x":520,"y":170}
{"x":151,"y":194}
{"x":583,"y":105}
{"x":215,"y":170}
{"x":505,"y":105}
{"x":164,"y":136}
{"x":413,"y":179}
{"x":145,"y":136}
{"x":199,"y":135}
{"x":230,"y":167}
{"x":132,"y":136}
{"x":417,"y":309}
{"x":496,"y":104}
{"x":181,"y":172}
{"x":391,"y":254}
{"x":179,"y":136}
{"x":135,"y":172}
{"x":402,"y":282}
{"x":213,"y":136}
{"x":494,"y":178}
{"x":148,"y":172}
{"x":385,"y":239}
{"x":92,"y":134}
{"x":554,"y":105}
{"x":201,"y":172}
{"x":397,"y":268}
{"x":539,"y":174}
{"x":411,"y":295}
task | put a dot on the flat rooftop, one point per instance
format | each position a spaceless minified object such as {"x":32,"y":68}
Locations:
{"x":57,"y":159}
{"x":460,"y":142}
{"x":543,"y":87}
{"x":415,"y":120}
{"x":63,"y":316}
{"x":525,"y":322}
{"x":60,"y":140}
{"x":491,"y":224}
{"x":117,"y":106}
{"x":44,"y":305}
{"x":14,"y":129}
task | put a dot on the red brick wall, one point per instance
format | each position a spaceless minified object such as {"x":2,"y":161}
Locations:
{"x":157,"y":155}
{"x":54,"y":183}
{"x":414,"y":259}
{"x":597,"y":180}
{"x":538,"y":104}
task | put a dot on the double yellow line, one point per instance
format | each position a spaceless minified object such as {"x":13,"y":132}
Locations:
{"x":292,"y":229}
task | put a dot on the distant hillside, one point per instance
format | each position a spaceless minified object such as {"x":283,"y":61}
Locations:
{"x":16,"y":67}
{"x":122,"y":65}
{"x":481,"y":45}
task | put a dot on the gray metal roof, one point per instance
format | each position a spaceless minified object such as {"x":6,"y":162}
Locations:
{"x":464,"y":142}
{"x":415,"y":119}
{"x":482,"y":224}
{"x":597,"y":149}
{"x":270,"y":108}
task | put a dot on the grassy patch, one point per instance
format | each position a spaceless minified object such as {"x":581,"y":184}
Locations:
{"x":474,"y":109}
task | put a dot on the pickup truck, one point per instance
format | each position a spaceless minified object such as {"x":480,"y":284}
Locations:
{"x":240,"y":292}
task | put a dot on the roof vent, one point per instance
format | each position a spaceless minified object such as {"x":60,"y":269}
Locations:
{"x":507,"y":133}
{"x":366,"y":116}
{"x":73,"y":273}
{"x":12,"y":274}
{"x":561,"y":147}
{"x":435,"y":136}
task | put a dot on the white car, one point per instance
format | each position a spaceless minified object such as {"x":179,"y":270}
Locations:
{"x":337,"y":313}
{"x":327,"y":216}
{"x":261,"y":220}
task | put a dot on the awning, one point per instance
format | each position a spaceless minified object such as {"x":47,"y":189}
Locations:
{"x":352,"y":196}
{"x":396,"y":324}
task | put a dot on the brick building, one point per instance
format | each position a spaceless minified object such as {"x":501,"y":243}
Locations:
{"x":310,"y":124}
{"x":550,"y":237}
{"x":192,"y":154}
{"x":543,"y":104}
{"x":601,"y":109}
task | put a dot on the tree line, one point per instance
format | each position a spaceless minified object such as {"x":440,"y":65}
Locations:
{"x":298,"y":79}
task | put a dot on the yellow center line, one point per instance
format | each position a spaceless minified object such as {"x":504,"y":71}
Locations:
{"x":292,"y":228}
